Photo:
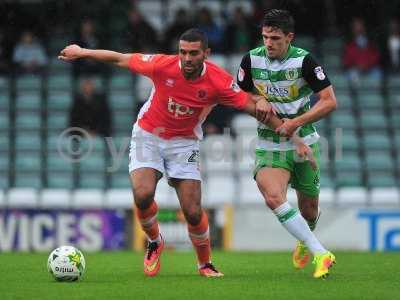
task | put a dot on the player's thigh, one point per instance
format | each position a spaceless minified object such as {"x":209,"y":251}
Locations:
{"x":182,"y":160}
{"x":146,"y":166}
{"x":145,"y":151}
{"x":305,"y":179}
{"x":272,"y":173}
{"x":145,"y":178}
{"x":272,"y":183}
{"x":144,"y":183}
{"x":189,"y":195}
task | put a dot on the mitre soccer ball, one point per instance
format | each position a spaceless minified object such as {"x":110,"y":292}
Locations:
{"x":66,"y":263}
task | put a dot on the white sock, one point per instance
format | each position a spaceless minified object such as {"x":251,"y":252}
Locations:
{"x":293,"y":221}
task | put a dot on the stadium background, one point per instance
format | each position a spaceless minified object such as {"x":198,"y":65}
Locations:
{"x":54,"y":191}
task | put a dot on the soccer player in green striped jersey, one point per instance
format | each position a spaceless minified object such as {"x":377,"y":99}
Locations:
{"x":287,"y":76}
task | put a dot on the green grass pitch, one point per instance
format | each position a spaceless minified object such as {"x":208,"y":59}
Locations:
{"x":248,"y":275}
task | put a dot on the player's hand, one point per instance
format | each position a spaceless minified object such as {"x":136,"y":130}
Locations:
{"x":287,"y":128}
{"x":264,"y":111}
{"x":71,"y":52}
{"x":305,"y":152}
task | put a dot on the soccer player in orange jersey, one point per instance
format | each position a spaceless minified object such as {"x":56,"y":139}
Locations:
{"x":165,"y":138}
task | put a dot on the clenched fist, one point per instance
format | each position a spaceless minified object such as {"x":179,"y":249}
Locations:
{"x":288,"y":127}
{"x":306,"y":153}
{"x":71,"y":52}
{"x":264,"y":110}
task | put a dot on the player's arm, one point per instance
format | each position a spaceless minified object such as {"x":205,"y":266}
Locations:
{"x":326,"y":104}
{"x":320,"y":84}
{"x":275,"y":122}
{"x":250,"y":107}
{"x":73,"y":52}
{"x":263,"y":110}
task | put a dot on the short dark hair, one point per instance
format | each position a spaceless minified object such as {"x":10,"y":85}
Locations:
{"x":279,"y":18}
{"x":195,"y":35}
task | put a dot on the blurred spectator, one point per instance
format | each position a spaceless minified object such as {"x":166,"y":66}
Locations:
{"x":29,"y":55}
{"x":4,"y":59}
{"x":180,"y":24}
{"x":361,"y":57}
{"x":206,"y":23}
{"x":90,"y":110}
{"x":87,"y":38}
{"x":239,"y":36}
{"x":260,"y":7}
{"x":140,"y":35}
{"x":394,"y":44}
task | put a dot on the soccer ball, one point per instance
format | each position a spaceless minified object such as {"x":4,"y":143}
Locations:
{"x":66,"y":263}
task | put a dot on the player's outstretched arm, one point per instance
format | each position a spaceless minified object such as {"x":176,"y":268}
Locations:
{"x":73,"y":52}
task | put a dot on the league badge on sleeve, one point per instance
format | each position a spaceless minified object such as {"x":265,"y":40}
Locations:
{"x":319,"y":72}
{"x":147,"y":57}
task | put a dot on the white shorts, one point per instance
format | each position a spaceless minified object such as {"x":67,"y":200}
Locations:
{"x":177,"y":158}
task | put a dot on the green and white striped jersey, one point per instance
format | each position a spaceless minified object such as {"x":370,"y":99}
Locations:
{"x":288,"y":83}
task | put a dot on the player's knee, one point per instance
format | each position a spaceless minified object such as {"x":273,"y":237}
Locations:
{"x":193,"y":215}
{"x":273,"y":199}
{"x":143,"y":196}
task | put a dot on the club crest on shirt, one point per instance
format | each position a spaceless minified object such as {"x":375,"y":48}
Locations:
{"x":319,"y":72}
{"x":201,"y":94}
{"x":291,"y":74}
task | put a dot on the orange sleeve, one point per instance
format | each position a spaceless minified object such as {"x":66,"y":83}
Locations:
{"x":144,"y":64}
{"x":230,"y":93}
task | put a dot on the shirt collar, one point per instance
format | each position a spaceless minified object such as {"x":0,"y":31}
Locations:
{"x":288,"y":53}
